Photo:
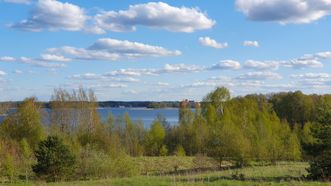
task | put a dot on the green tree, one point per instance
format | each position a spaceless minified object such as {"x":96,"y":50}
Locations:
{"x":180,"y":151}
{"x":217,"y":98}
{"x":9,"y":167}
{"x":155,"y":139}
{"x":164,"y":150}
{"x":25,"y":123}
{"x":54,"y":160}
{"x":27,"y":158}
{"x":320,"y":165}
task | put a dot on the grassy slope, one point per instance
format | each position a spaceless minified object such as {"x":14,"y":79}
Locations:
{"x":280,"y":174}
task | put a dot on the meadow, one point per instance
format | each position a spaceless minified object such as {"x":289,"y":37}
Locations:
{"x":281,"y":173}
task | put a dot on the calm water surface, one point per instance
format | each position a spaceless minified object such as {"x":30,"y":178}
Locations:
{"x":146,"y":115}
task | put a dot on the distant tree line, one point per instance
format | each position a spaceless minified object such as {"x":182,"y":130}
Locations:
{"x":78,"y":145}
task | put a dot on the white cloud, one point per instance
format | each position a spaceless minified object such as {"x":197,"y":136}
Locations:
{"x":315,"y":80}
{"x":226,"y":65}
{"x":171,"y":68}
{"x":324,"y":55}
{"x":207,"y":41}
{"x":2,"y":73}
{"x":284,"y":11}
{"x":312,"y":76}
{"x":18,"y":71}
{"x":303,"y":63}
{"x":18,"y":1}
{"x":251,"y":43}
{"x":103,"y":77}
{"x":260,"y":76}
{"x":107,"y":49}
{"x":7,"y":59}
{"x":259,"y":65}
{"x":86,"y":76}
{"x":111,"y":85}
{"x":154,"y":15}
{"x":131,"y":72}
{"x":34,"y":62}
{"x":53,"y":15}
{"x":54,"y":58}
{"x":163,"y":84}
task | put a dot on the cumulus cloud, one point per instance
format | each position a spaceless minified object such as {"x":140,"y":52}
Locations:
{"x":101,"y":77}
{"x":2,"y":73}
{"x":154,"y":15}
{"x":207,"y":41}
{"x":312,"y":76}
{"x":171,"y":68}
{"x":168,"y":68}
{"x":266,"y":75}
{"x":53,"y":15}
{"x":34,"y":62}
{"x":108,"y":49}
{"x":132,"y":72}
{"x":303,"y":63}
{"x":18,"y":1}
{"x":163,"y":84}
{"x":284,"y":11}
{"x":54,"y":58}
{"x":7,"y":59}
{"x":18,"y":71}
{"x":262,"y":65}
{"x":226,"y":65}
{"x":323,"y":55}
{"x":315,"y":80}
{"x":251,"y":43}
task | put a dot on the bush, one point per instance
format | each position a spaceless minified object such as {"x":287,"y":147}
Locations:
{"x":320,"y":165}
{"x":94,"y":164}
{"x":320,"y":168}
{"x":163,"y":150}
{"x":180,"y":151}
{"x":54,"y":160}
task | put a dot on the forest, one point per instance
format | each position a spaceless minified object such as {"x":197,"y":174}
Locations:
{"x":221,"y":132}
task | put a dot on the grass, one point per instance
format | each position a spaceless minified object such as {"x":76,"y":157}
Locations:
{"x":163,"y":165}
{"x":283,"y":173}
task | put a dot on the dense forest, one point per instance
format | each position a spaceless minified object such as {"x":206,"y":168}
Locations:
{"x":78,"y":145}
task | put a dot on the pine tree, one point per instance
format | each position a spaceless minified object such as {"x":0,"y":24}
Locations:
{"x":320,"y":165}
{"x":54,"y":160}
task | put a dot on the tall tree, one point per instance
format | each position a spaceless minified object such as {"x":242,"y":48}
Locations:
{"x":320,"y":165}
{"x":54,"y":160}
{"x":154,"y":139}
{"x":25,"y":123}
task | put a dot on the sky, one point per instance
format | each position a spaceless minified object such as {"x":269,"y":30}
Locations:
{"x":134,"y":50}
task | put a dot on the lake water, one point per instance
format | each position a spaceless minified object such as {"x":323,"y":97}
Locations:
{"x":146,"y":115}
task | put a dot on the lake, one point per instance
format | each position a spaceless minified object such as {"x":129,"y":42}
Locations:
{"x":146,"y":115}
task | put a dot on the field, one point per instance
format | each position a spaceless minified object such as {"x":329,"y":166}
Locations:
{"x":283,"y":173}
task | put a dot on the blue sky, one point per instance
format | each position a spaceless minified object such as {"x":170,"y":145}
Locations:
{"x":169,"y":50}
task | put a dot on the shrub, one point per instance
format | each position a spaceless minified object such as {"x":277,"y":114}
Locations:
{"x":94,"y":164}
{"x":180,"y":151}
{"x":163,"y":150}
{"x":54,"y":160}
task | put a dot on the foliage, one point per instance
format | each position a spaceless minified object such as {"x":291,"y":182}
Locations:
{"x":180,"y":151}
{"x":27,"y":158}
{"x":94,"y":164}
{"x":154,"y":138}
{"x":320,"y":165}
{"x":24,"y":124}
{"x":54,"y":160}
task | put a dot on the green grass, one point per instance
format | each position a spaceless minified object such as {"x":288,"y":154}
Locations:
{"x":284,"y":173}
{"x":162,"y":165}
